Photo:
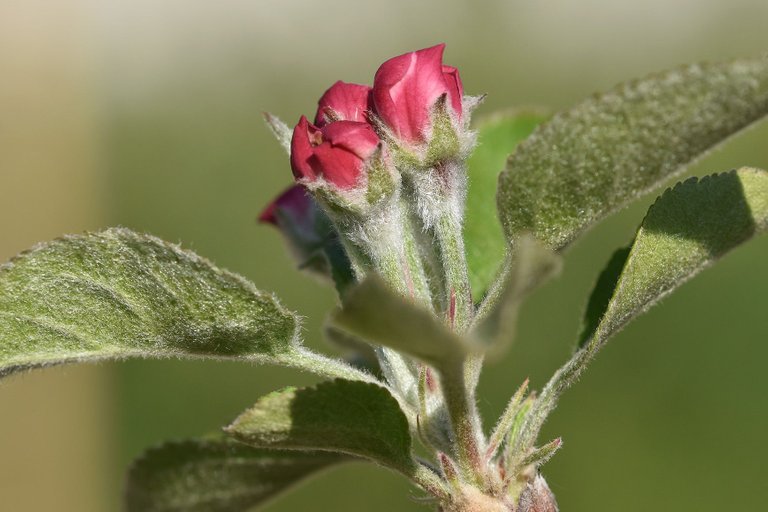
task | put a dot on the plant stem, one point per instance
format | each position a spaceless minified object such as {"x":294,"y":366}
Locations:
{"x":463,"y":412}
{"x":324,"y":366}
{"x":396,"y":254}
{"x":430,"y":482}
{"x":448,"y":232}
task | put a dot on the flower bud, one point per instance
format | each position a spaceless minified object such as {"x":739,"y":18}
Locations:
{"x":293,"y":207}
{"x":304,"y":226}
{"x":309,"y":234}
{"x":336,"y":153}
{"x":344,"y":102}
{"x":407,"y":88}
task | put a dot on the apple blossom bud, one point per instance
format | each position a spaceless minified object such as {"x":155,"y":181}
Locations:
{"x":308,"y":233}
{"x":406,"y":89}
{"x":344,"y":102}
{"x":335,"y":153}
{"x":304,"y":226}
{"x":293,"y":206}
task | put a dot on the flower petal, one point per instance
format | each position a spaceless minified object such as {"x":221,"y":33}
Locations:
{"x":406,"y":88}
{"x":349,"y":101}
{"x":302,"y":145}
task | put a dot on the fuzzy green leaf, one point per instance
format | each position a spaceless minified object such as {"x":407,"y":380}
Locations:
{"x":374,"y":312}
{"x":590,"y":160}
{"x":217,"y":475}
{"x":351,"y":417}
{"x":497,"y":137}
{"x":688,"y":228}
{"x":602,"y":293}
{"x":118,"y":294}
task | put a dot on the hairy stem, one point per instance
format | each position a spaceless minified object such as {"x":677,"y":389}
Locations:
{"x":465,"y":420}
{"x":454,"y":261}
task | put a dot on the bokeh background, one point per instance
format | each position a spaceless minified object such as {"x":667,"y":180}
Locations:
{"x":147,"y":114}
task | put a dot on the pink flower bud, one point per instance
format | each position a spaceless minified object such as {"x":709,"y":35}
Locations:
{"x":406,"y":88}
{"x":336,"y":152}
{"x":308,"y":233}
{"x":293,"y":203}
{"x":349,"y":102}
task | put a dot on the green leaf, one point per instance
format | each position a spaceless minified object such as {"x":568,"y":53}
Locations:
{"x":118,"y":294}
{"x":217,"y":475}
{"x":351,"y":417}
{"x":602,"y":293}
{"x":497,"y":135}
{"x":590,"y":160}
{"x":528,"y":264}
{"x":374,"y":312}
{"x":540,"y":456}
{"x":688,"y":228}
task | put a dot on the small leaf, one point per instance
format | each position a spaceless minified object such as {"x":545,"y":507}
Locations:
{"x":216,"y":475}
{"x":280,"y":130}
{"x":497,"y":136}
{"x":688,"y":228}
{"x":527,"y":266}
{"x":351,"y":417}
{"x":540,"y":456}
{"x":118,"y":294}
{"x":374,"y":312}
{"x":513,"y":445}
{"x":506,"y":420}
{"x":587,"y":162}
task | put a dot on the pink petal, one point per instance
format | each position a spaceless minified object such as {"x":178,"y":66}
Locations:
{"x":349,"y":101}
{"x":304,"y":135}
{"x":406,"y":88}
{"x":294,"y":200}
{"x":455,"y":88}
{"x":357,"y":138}
{"x":336,"y":165}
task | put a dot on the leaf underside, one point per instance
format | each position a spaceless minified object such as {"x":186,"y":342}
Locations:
{"x":688,"y":228}
{"x":374,"y":312}
{"x":352,"y":417}
{"x":118,"y":294}
{"x":216,"y":475}
{"x":497,"y":137}
{"x":592,"y":159}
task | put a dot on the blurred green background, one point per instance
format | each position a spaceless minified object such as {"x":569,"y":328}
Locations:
{"x":148,"y":115}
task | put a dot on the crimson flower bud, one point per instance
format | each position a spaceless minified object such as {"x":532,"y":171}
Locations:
{"x":344,"y":102}
{"x":336,"y":152}
{"x":309,"y":233}
{"x":406,"y":89}
{"x":294,"y":204}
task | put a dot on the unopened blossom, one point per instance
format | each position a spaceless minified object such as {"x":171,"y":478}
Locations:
{"x":406,"y":89}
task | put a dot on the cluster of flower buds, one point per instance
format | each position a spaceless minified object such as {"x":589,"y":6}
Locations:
{"x":385,"y":162}
{"x":364,"y":138}
{"x":412,"y":112}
